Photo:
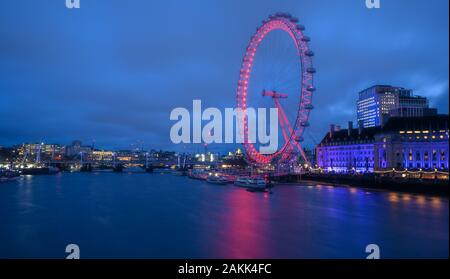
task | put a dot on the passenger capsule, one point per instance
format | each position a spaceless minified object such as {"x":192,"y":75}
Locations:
{"x":306,"y":39}
{"x":305,"y":124}
{"x":311,"y":70}
{"x":311,"y":88}
{"x":309,"y":53}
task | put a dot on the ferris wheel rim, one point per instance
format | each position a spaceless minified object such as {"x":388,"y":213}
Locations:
{"x":289,"y":24}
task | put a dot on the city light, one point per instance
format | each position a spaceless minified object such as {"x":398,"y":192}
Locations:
{"x":184,"y":130}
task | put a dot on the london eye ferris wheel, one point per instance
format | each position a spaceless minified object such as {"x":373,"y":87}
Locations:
{"x":287,"y":85}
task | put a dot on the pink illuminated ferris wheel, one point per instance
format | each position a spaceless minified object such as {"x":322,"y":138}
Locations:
{"x":292,"y":129}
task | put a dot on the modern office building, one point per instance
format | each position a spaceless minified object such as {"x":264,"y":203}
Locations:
{"x":374,"y":103}
{"x":402,"y":143}
{"x":377,"y":103}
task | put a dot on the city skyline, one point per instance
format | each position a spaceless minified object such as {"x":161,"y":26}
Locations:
{"x":227,"y":130}
{"x":109,"y":95}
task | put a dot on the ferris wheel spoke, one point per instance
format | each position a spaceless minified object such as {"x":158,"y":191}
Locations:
{"x":286,"y":73}
{"x":289,"y":83}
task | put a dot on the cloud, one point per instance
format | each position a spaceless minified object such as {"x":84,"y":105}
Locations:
{"x":113,"y":70}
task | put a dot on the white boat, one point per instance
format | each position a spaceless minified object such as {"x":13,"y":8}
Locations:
{"x":198,"y":174}
{"x":248,"y":182}
{"x":217,"y":179}
{"x":75,"y":168}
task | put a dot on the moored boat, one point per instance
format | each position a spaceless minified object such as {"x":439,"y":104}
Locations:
{"x":248,"y":182}
{"x":217,"y":179}
{"x":40,"y":170}
{"x":8,"y":175}
{"x":198,"y":174}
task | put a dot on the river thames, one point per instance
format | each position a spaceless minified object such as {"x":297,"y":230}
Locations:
{"x":139,"y":215}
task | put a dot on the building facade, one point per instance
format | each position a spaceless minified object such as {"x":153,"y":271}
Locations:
{"x":374,"y":103}
{"x":347,"y":150}
{"x":76,"y":148}
{"x":377,"y":103}
{"x":102,"y":156}
{"x":403,"y":143}
{"x":42,"y":150}
{"x":415,"y":143}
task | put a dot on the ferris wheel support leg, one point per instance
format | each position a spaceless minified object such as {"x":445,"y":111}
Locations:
{"x":281,"y":120}
{"x":284,"y":118}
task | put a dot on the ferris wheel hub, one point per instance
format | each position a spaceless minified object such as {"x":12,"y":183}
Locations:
{"x":274,"y":94}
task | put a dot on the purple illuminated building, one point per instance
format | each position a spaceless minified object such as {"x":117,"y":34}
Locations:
{"x":347,"y":150}
{"x":414,"y":143}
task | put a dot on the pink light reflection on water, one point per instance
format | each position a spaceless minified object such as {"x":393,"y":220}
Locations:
{"x":243,"y":233}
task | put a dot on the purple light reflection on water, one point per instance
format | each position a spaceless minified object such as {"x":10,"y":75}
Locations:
{"x":164,"y":216}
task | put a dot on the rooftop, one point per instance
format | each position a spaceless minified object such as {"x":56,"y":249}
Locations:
{"x":343,"y":135}
{"x":432,"y":123}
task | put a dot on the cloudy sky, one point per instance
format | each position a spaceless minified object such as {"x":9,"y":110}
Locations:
{"x":113,"y":70}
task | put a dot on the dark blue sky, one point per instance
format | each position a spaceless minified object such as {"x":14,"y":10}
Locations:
{"x":113,"y":70}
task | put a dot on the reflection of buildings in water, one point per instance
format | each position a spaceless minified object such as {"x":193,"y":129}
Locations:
{"x":435,"y":202}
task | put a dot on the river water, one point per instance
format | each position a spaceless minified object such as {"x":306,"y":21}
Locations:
{"x":139,"y":215}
